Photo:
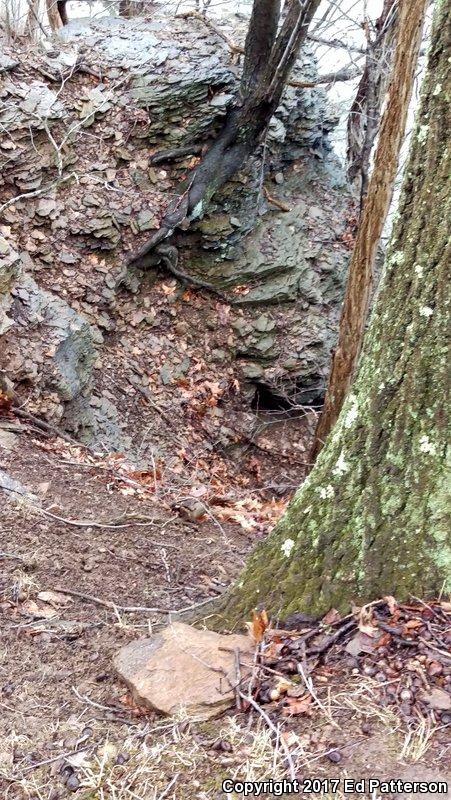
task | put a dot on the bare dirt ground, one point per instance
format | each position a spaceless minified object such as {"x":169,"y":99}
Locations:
{"x":68,"y":727}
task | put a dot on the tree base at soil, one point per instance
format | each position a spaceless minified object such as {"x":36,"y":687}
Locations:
{"x":371,"y":519}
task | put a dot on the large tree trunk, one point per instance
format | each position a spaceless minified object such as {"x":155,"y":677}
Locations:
{"x":375,"y":210}
{"x":371,"y":517}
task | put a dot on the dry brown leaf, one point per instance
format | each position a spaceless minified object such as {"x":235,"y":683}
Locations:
{"x":30,"y":608}
{"x":365,"y":622}
{"x":297,"y":705}
{"x":391,"y":602}
{"x":411,"y":624}
{"x":332,"y":616}
{"x":55,"y":599}
{"x":258,"y":625}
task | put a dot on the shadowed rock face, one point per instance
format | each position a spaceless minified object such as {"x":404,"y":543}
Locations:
{"x":83,"y":149}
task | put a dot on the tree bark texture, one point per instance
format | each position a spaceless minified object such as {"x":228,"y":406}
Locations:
{"x":364,"y":116}
{"x":377,"y":203}
{"x":372,"y":518}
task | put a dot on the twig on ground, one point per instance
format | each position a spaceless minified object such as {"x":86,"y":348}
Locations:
{"x":436,"y":612}
{"x":12,"y":556}
{"x":128,"y":609}
{"x":92,"y":703}
{"x":168,"y":787}
{"x":330,"y":640}
{"x":311,"y":690}
{"x":249,"y":699}
{"x":53,"y":759}
{"x":109,"y":603}
{"x":89,"y":523}
{"x":47,"y":427}
{"x":444,"y":653}
{"x":275,"y":201}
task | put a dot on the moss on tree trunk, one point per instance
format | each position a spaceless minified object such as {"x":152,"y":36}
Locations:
{"x":371,"y":519}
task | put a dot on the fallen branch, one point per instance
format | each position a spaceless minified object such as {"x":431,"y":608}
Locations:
{"x":330,"y":640}
{"x":165,"y":791}
{"x":92,"y":703}
{"x":13,"y":556}
{"x":89,"y":523}
{"x":47,"y":427}
{"x":275,"y":201}
{"x":90,"y":598}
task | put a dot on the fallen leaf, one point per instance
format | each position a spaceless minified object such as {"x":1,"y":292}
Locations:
{"x":360,"y":643}
{"x":297,"y":705}
{"x":332,"y":616}
{"x":365,"y":622}
{"x":55,"y":599}
{"x":258,"y":625}
{"x":78,"y":759}
{"x":434,"y":668}
{"x":30,"y":608}
{"x":411,"y":624}
{"x":391,"y":602}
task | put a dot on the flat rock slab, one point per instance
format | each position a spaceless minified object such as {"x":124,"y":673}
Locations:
{"x":184,"y":668}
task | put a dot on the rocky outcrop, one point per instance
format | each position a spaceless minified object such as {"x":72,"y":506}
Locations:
{"x":45,"y":342}
{"x":80,"y":151}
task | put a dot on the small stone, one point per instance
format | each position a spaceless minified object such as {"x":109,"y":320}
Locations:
{"x":72,"y":782}
{"x":279,"y":178}
{"x":45,"y":207}
{"x":223,"y":746}
{"x":146,"y":221}
{"x":334,"y":756}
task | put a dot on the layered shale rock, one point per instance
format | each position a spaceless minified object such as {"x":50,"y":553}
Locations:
{"x":81,"y":188}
